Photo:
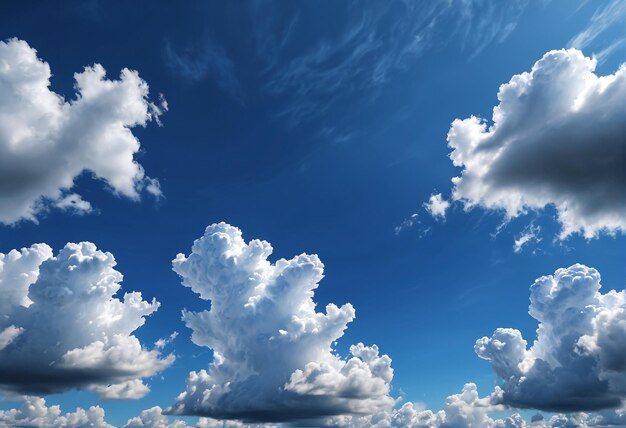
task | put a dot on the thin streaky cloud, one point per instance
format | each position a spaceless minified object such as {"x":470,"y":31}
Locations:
{"x":603,"y":19}
{"x":605,"y":53}
{"x":207,"y":60}
{"x":357,"y":61}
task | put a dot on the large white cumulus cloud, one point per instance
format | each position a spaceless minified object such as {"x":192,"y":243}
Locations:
{"x":61,"y":326}
{"x":558,"y":138}
{"x":273,"y":352}
{"x":46,"y":141}
{"x":578,"y":361}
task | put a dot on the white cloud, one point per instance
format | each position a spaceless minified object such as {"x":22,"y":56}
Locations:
{"x":273,"y":353}
{"x":8,"y":335}
{"x":468,"y":410}
{"x":61,"y":326}
{"x":369,"y":49}
{"x":530,"y":234}
{"x":155,"y":418}
{"x":163,"y":342}
{"x":464,"y":410}
{"x":607,"y":51}
{"x":205,"y":58}
{"x":377,"y":41}
{"x":407,"y":223}
{"x":74,"y":202}
{"x":128,"y":390}
{"x":616,"y":417}
{"x":366,"y":377}
{"x":437,"y":206}
{"x":35,"y":414}
{"x":46,"y":141}
{"x":18,"y":271}
{"x":215,"y":423}
{"x":558,"y":139}
{"x":577,"y":362}
{"x":611,"y":14}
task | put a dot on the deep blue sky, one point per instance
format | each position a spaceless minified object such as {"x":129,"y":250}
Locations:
{"x":314,"y":168}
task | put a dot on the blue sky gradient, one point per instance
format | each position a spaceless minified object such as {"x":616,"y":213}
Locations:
{"x":320,"y":127}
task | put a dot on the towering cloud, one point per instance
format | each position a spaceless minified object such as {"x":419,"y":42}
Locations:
{"x":273,"y":357}
{"x":578,"y":361}
{"x":61,"y":326}
{"x":558,"y":138}
{"x":46,"y":141}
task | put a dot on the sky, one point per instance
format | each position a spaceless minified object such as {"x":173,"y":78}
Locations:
{"x":331,"y":213}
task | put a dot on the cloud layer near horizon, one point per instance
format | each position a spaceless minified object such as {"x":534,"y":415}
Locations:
{"x":558,"y":138}
{"x":463,"y":410}
{"x":46,"y":142}
{"x":62,"y":328}
{"x":35,"y":413}
{"x":273,"y":353}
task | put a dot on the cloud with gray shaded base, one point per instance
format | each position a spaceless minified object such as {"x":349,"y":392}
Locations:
{"x":273,"y":352}
{"x":35,"y":414}
{"x":463,"y":410}
{"x":61,"y":326}
{"x":577,"y":362}
{"x":558,"y":138}
{"x":46,"y":142}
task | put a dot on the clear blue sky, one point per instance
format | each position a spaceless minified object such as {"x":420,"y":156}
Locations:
{"x":319,"y":127}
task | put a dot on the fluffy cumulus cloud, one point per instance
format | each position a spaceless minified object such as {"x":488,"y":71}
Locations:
{"x":578,"y":360}
{"x":273,"y":356}
{"x":156,"y":418}
{"x":62,"y":326}
{"x":464,"y":410}
{"x":558,"y":138}
{"x":437,"y":206}
{"x":47,"y":141}
{"x":468,"y":410}
{"x":34,"y":413}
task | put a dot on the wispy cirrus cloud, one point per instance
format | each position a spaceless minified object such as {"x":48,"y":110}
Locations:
{"x":206,"y":59}
{"x":483,"y":23}
{"x":380,"y":39}
{"x":530,"y":234}
{"x":605,"y":18}
{"x":309,"y":68}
